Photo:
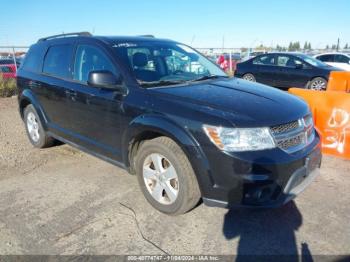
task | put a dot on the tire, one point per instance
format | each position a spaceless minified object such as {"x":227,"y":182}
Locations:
{"x":35,"y":131}
{"x":318,"y":83}
{"x":249,"y":77}
{"x":172,"y":194}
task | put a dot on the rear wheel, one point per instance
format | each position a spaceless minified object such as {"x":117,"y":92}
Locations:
{"x":318,"y":83}
{"x":249,"y":77}
{"x":166,"y":177}
{"x":35,"y":131}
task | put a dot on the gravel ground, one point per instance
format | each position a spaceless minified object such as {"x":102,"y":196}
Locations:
{"x":61,"y":201}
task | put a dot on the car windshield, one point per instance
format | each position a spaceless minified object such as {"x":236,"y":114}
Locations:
{"x":312,"y":61}
{"x":165,"y":63}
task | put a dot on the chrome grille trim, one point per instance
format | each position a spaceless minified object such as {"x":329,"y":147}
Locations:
{"x":285,"y":128}
{"x":294,"y":136}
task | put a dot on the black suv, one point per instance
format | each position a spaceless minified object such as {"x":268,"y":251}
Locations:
{"x":166,"y":113}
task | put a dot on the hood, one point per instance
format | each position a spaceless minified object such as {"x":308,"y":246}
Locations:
{"x":244,"y":103}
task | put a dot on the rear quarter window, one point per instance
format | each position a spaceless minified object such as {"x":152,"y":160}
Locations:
{"x":57,"y":61}
{"x":33,"y":59}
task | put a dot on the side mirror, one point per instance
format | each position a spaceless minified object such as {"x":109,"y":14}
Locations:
{"x":299,"y":66}
{"x":104,"y":79}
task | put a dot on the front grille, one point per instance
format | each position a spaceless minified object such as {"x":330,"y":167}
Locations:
{"x":291,"y":142}
{"x":294,"y":136}
{"x":285,"y":128}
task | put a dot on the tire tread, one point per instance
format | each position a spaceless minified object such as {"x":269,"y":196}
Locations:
{"x":193,"y":194}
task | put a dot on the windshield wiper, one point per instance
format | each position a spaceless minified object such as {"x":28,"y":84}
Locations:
{"x":160,"y":83}
{"x":207,"y":77}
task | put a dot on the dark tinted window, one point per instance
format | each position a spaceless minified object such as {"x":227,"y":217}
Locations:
{"x":57,"y":61}
{"x":33,"y":59}
{"x":5,"y":69}
{"x":264,"y":60}
{"x":326,"y":58}
{"x":288,"y":61}
{"x":6,"y":61}
{"x":342,"y":59}
{"x":89,"y":58}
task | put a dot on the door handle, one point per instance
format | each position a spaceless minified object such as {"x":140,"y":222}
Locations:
{"x":71,"y":92}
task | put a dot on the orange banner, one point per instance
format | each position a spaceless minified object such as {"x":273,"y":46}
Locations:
{"x":331,"y":112}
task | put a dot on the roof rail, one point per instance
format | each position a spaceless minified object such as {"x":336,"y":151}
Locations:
{"x":64,"y":35}
{"x":151,"y":36}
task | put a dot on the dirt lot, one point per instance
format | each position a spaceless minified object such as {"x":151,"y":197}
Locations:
{"x":61,"y":201}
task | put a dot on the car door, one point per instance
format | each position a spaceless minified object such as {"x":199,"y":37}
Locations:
{"x":292,"y":72}
{"x":94,"y":112}
{"x":264,"y":69}
{"x":342,"y":61}
{"x":329,"y":59}
{"x":50,"y":90}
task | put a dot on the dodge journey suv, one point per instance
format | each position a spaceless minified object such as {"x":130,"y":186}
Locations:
{"x":164,"y":112}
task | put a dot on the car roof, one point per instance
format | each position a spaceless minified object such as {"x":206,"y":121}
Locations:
{"x":284,"y":53}
{"x":114,"y":39}
{"x":105,"y":39}
{"x":334,"y":53}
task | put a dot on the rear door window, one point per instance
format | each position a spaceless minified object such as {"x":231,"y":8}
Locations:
{"x":288,"y":61}
{"x":341,"y":59}
{"x":57,"y":61}
{"x":264,"y":60}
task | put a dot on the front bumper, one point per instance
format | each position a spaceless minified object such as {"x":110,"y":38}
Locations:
{"x":261,"y":179}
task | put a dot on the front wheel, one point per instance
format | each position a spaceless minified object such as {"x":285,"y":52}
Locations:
{"x":166,"y":177}
{"x":249,"y":77}
{"x":318,"y":83}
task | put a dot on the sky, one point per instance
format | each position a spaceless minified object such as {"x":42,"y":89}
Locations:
{"x":200,"y":23}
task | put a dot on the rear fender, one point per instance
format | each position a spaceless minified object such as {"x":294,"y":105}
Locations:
{"x":28,"y":97}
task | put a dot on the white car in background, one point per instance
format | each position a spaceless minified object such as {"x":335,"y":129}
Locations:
{"x":339,"y":60}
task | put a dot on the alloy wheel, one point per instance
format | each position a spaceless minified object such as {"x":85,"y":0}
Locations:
{"x":319,"y":85}
{"x":33,"y":127}
{"x":249,"y":77}
{"x":160,"y":178}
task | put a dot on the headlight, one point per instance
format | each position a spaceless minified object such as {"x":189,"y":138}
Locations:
{"x":240,"y":139}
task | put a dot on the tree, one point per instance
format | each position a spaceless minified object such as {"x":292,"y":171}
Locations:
{"x":280,"y":48}
{"x":306,"y":46}
{"x":327,"y":46}
{"x":334,"y":47}
{"x":346,"y":46}
{"x":309,"y":46}
{"x":294,"y":46}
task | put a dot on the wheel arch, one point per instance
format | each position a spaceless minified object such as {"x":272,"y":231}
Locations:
{"x":319,"y":76}
{"x":316,"y":76}
{"x":27,"y":97}
{"x":152,"y":126}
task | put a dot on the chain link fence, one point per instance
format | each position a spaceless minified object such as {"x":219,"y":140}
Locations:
{"x":10,"y":59}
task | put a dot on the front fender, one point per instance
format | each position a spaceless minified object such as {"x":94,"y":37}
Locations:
{"x":28,"y":97}
{"x":161,"y":124}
